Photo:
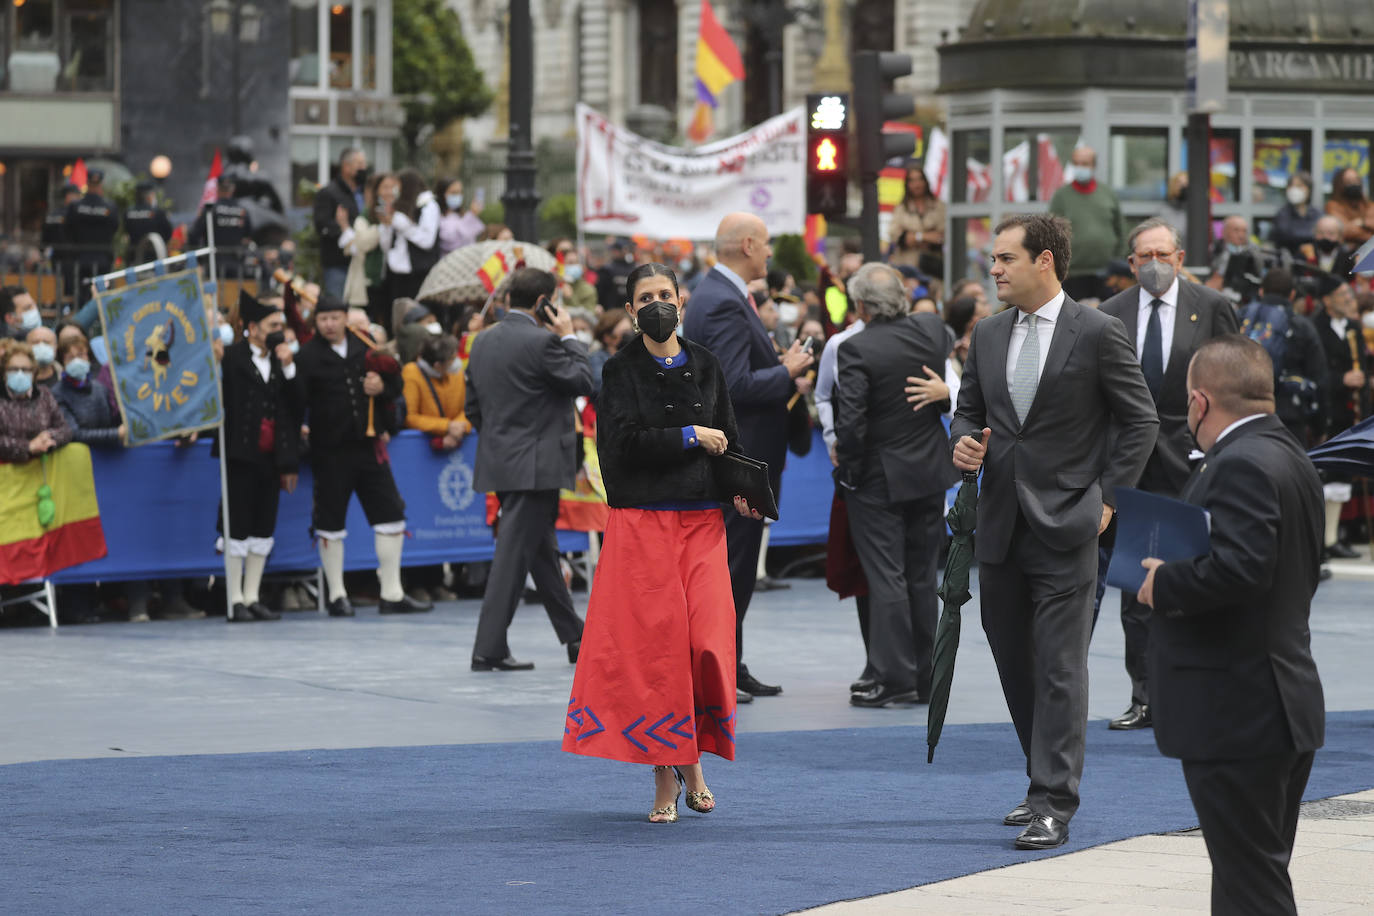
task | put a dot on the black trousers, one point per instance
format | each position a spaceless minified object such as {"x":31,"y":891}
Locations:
{"x":899,"y":546}
{"x":341,"y":471}
{"x":254,"y":492}
{"x":743,"y":538}
{"x":525,"y":544}
{"x":1037,"y":612}
{"x":1248,"y":810}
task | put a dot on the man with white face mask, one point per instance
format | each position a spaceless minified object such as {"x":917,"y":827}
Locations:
{"x":18,"y":312}
{"x":1099,"y":230}
{"x":1167,"y":318}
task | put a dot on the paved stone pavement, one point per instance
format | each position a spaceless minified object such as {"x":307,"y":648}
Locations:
{"x":196,"y":687}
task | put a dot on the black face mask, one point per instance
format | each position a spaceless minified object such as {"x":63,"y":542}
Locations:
{"x":360,"y":178}
{"x":658,"y":320}
{"x":274,"y":340}
{"x":1192,"y":430}
{"x":1328,"y":245}
{"x":1353,"y":191}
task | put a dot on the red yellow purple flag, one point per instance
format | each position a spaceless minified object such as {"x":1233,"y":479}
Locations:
{"x":815,"y":233}
{"x":493,"y":271}
{"x":718,"y":65}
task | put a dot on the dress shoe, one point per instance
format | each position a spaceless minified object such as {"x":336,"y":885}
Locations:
{"x":500,"y":664}
{"x":1342,"y":551}
{"x":863,"y":685}
{"x":1138,"y":716}
{"x":260,"y":611}
{"x":769,"y":584}
{"x":574,"y":648}
{"x":407,"y":605}
{"x":750,"y":684}
{"x":340,"y":607}
{"x":1044,"y":832}
{"x":178,"y":609}
{"x":241,"y":614}
{"x":881,"y":695}
{"x":741,"y":697}
{"x":1020,"y":816}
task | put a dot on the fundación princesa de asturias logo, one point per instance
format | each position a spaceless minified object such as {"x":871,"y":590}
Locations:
{"x":455,"y":484}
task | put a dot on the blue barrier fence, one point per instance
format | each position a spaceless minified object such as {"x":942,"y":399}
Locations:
{"x":158,"y":506}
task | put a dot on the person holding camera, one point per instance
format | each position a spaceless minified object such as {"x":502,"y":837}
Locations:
{"x":522,"y":377}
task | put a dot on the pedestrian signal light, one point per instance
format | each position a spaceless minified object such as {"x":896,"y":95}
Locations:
{"x":827,"y":155}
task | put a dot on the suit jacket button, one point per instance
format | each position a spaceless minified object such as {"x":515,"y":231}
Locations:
{"x":668,"y":408}
{"x":1019,"y":437}
{"x":660,"y":376}
{"x":697,"y":408}
{"x":687,"y":374}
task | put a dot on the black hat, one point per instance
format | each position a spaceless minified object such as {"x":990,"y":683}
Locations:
{"x":330,"y":303}
{"x":1327,"y":283}
{"x":251,"y":310}
{"x":94,"y":176}
{"x":415,"y":313}
{"x":225,"y":180}
{"x":70,"y":188}
{"x":144,"y":186}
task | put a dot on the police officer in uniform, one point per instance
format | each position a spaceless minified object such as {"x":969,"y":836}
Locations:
{"x":262,"y":406}
{"x":146,"y":218}
{"x":91,"y":225}
{"x":54,"y":237}
{"x":351,"y":409}
{"x":233,"y":229}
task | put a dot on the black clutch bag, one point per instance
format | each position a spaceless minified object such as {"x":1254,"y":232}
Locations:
{"x":739,"y":475}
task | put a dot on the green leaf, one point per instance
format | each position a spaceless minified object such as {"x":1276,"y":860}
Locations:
{"x":432,"y":65}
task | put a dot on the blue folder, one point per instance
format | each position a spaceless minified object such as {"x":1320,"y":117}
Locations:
{"x":1150,"y":525}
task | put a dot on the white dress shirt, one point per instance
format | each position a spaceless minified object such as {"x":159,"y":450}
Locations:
{"x":827,"y":374}
{"x":1339,"y":325}
{"x":1237,"y":425}
{"x":1048,"y":315}
{"x":264,"y":363}
{"x":735,"y":279}
{"x":1168,"y":314}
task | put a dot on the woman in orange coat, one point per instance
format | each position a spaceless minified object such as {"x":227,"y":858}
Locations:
{"x":435,"y":393}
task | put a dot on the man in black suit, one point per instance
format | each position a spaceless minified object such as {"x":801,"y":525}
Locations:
{"x":893,"y":469}
{"x":521,"y":382}
{"x":1167,"y":318}
{"x":1052,"y":403}
{"x":345,"y":193}
{"x":1235,"y":692}
{"x":1348,"y":364}
{"x":723,"y":318}
{"x":261,"y":439}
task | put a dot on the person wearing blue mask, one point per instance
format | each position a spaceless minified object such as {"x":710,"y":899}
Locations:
{"x":578,"y":294}
{"x":44,"y":343}
{"x":18,"y":312}
{"x":84,"y":400}
{"x":31,"y":423}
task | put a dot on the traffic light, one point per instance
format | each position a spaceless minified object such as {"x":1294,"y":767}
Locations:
{"x":874,"y":72}
{"x":827,"y":154}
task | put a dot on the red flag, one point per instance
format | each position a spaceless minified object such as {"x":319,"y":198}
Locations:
{"x":211,"y":191}
{"x":79,"y":175}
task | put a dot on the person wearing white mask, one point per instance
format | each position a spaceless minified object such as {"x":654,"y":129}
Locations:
{"x":412,"y":326}
{"x":457,"y":227}
{"x":44,"y":343}
{"x":84,"y":400}
{"x":578,"y":294}
{"x":19,"y":311}
{"x":1296,"y":221}
{"x":1099,"y":231}
{"x":31,"y":422}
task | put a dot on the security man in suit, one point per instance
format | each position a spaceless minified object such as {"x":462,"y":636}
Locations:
{"x":54,"y":235}
{"x":1167,"y":318}
{"x":233,"y":228}
{"x":521,"y":382}
{"x":351,"y":415}
{"x":261,"y":436}
{"x":723,"y":318}
{"x":1234,"y":688}
{"x":894,"y":470}
{"x":146,"y":218}
{"x":1053,"y":406}
{"x":91,"y":225}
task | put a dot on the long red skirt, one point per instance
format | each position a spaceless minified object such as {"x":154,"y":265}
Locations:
{"x":655,"y":680}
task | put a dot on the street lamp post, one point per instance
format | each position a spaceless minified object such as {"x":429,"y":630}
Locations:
{"x":242,"y":22}
{"x":521,"y":197}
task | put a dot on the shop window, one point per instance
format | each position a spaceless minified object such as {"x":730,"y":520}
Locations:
{"x":1033,"y":165}
{"x":305,"y":166}
{"x":1345,"y":151}
{"x":341,"y":45}
{"x":88,"y":65}
{"x":971,"y":175}
{"x":305,"y":43}
{"x":368,"y":36}
{"x":658,"y":54}
{"x":1138,"y":163}
{"x":1278,"y":154}
{"x":1225,"y":173}
{"x":35,"y":25}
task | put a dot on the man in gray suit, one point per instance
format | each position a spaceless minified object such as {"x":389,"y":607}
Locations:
{"x":1053,"y":405}
{"x":521,"y":381}
{"x":1167,"y":318}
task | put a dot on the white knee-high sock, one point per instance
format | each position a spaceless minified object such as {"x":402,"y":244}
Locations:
{"x":331,"y":559}
{"x":389,"y":566}
{"x":1333,"y":523}
{"x":234,"y":581}
{"x":253,"y":566}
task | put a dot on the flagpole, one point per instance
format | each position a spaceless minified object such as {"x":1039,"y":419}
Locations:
{"x":223,"y":445}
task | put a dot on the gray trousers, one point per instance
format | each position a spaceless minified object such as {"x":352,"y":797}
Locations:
{"x":899,"y":546}
{"x":1037,"y":613}
{"x":525,"y":544}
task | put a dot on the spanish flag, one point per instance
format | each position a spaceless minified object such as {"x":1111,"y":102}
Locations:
{"x":816,"y":231}
{"x":30,"y":549}
{"x":493,"y":271}
{"x":718,"y":65}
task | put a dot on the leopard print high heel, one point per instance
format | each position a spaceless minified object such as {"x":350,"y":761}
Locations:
{"x":701,"y":802}
{"x":668,"y":813}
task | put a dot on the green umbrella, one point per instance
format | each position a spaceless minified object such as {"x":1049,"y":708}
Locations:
{"x":953,"y":591}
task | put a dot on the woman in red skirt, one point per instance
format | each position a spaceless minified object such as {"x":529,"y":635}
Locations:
{"x":655,"y":679}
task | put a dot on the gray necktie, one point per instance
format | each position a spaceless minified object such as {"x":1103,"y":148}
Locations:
{"x":1026,"y":375}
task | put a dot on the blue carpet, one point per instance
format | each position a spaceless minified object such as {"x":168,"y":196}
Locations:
{"x":805,"y":818}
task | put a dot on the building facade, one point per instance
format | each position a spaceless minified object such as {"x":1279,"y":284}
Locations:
{"x":1027,"y":80}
